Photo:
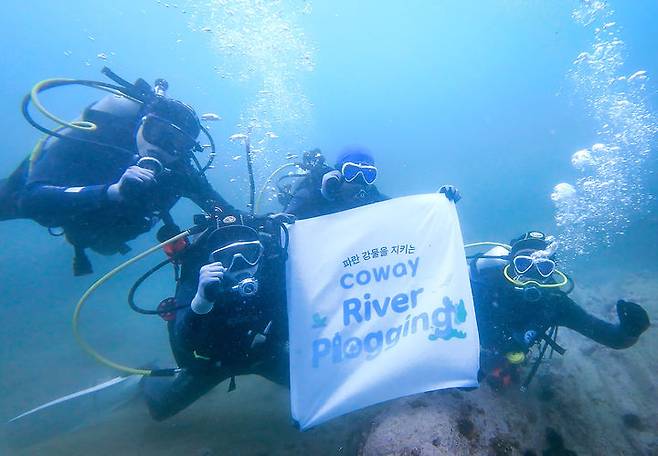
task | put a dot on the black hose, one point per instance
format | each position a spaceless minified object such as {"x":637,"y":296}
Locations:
{"x":286,"y":242}
{"x":128,"y":90}
{"x":127,"y":87}
{"x":28,"y":117}
{"x":196,"y":163}
{"x":213,"y":150}
{"x":550,"y":355}
{"x":138,"y":283}
{"x":535,"y":366}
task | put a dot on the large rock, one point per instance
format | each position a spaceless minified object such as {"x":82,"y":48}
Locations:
{"x":594,"y":400}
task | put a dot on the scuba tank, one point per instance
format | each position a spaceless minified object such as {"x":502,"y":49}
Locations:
{"x":488,"y":267}
{"x":111,"y":123}
{"x":116,"y":118}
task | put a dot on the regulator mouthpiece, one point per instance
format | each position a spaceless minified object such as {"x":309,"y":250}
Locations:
{"x":152,"y":164}
{"x":160,"y":87}
{"x":246,"y":287}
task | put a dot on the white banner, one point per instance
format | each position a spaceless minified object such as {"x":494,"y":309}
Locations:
{"x":379,"y":305}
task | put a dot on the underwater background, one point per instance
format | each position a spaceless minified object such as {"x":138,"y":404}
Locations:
{"x":494,"y":97}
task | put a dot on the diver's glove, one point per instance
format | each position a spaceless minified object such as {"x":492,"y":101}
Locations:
{"x":331,"y":184}
{"x":210,"y":279}
{"x":451,"y":193}
{"x":133,"y":179}
{"x":633,"y":319}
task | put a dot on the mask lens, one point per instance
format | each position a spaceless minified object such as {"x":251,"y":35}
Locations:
{"x":369,"y":174}
{"x":238,"y":254}
{"x":224,"y":255}
{"x":522,"y":263}
{"x":351,"y":170}
{"x":240,"y":263}
{"x":545,"y":266}
{"x":166,"y":135}
{"x":251,"y":252}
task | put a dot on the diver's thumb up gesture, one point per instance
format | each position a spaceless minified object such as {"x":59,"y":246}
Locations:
{"x":210,"y":279}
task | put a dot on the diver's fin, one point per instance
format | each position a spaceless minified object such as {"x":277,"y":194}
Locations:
{"x":70,"y":412}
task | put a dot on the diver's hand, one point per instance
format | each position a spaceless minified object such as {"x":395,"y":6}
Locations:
{"x":282,"y":217}
{"x":210,"y":278}
{"x":133,"y":178}
{"x":633,"y":319}
{"x":330,"y":184}
{"x":451,"y":192}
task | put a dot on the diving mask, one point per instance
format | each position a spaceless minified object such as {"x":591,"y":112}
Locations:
{"x":523,"y":263}
{"x":241,"y":262}
{"x":166,"y":135}
{"x":238,"y":255}
{"x":351,"y":171}
{"x":563,"y":280}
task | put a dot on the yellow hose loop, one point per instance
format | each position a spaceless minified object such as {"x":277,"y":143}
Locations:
{"x":76,"y":124}
{"x":78,"y":308}
{"x":43,"y":85}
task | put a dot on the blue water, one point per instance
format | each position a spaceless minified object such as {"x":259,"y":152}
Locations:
{"x":480,"y":95}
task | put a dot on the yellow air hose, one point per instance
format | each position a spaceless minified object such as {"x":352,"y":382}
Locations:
{"x":50,"y":83}
{"x":78,"y":308}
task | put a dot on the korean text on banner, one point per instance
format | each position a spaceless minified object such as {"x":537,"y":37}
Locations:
{"x":379,"y":307}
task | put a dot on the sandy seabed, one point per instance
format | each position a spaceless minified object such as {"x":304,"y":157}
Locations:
{"x":591,"y":401}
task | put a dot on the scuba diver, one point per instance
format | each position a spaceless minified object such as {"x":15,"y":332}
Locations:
{"x":230,"y":316}
{"x":521,"y":299}
{"x":350,"y":184}
{"x":110,"y":177}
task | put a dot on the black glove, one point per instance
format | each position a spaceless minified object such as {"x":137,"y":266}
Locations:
{"x":451,"y":193}
{"x":633,"y":319}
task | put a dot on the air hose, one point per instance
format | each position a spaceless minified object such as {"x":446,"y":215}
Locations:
{"x":76,"y":124}
{"x":52,"y":83}
{"x":268,"y":181}
{"x":123,"y":90}
{"x":250,"y":170}
{"x":78,"y":308}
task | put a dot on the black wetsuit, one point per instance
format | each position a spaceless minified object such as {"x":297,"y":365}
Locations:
{"x":238,"y":336}
{"x":307,"y":200}
{"x":509,"y":323}
{"x":67,"y":187}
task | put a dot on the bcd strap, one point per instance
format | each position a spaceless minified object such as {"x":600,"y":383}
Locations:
{"x":549,"y":340}
{"x":231,"y":384}
{"x":554,"y":345}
